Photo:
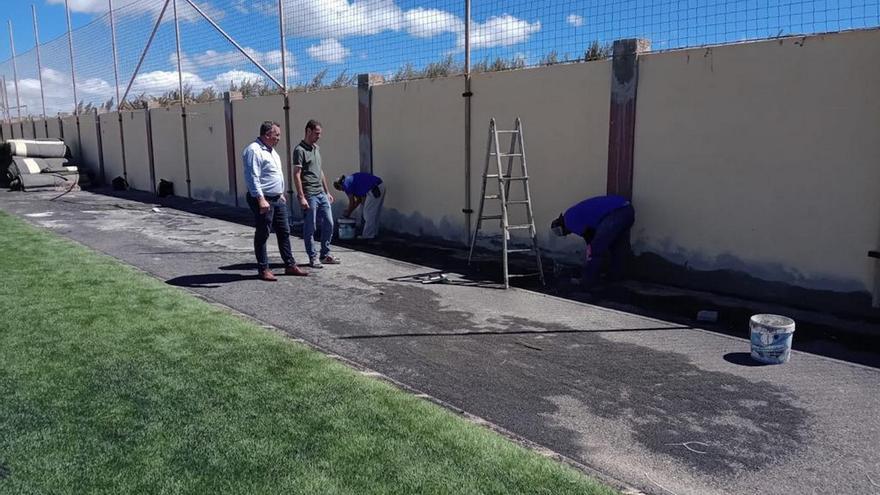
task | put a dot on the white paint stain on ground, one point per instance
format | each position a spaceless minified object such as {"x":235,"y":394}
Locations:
{"x":43,"y":214}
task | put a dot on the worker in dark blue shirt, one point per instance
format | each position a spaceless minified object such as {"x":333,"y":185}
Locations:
{"x":604,"y":223}
{"x":367,"y":190}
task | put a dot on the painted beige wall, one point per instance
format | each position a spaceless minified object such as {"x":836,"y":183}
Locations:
{"x":207,"y":152}
{"x":137,"y":161}
{"x":247,"y":115}
{"x":41,"y":128}
{"x":763,"y":157}
{"x":71,"y":138}
{"x":168,"y":159}
{"x":337,"y":111}
{"x":418,"y":150}
{"x":91,"y":155}
{"x":565,"y":115}
{"x":111,"y":145}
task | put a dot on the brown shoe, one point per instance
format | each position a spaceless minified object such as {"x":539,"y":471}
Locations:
{"x":295,"y":271}
{"x":267,"y":276}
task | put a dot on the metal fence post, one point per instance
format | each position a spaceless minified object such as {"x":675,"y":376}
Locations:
{"x":182,"y":103}
{"x":14,"y":70}
{"x":231,"y":175}
{"x":288,"y":147}
{"x":39,"y":63}
{"x":73,"y":81}
{"x":468,"y":210}
{"x":118,"y":101}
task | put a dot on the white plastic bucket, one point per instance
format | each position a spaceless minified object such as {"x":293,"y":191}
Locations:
{"x":346,"y":228}
{"x":771,"y":337}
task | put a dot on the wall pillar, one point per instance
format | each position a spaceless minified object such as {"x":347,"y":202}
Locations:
{"x":621,"y":136}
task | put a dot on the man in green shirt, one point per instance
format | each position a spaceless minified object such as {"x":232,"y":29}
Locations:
{"x":314,"y":196}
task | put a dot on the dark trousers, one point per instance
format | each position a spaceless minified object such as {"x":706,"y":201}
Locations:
{"x":276,"y":218}
{"x":610,"y":241}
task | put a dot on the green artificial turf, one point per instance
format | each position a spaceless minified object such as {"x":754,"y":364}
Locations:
{"x":112,"y":382}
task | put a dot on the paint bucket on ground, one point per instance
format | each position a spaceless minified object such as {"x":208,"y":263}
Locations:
{"x":346,"y":228}
{"x":771,"y":337}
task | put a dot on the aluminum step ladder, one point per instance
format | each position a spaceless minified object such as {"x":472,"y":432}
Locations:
{"x":516,"y":153}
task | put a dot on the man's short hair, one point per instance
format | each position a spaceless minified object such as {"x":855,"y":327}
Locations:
{"x":312,"y":124}
{"x":267,"y":126}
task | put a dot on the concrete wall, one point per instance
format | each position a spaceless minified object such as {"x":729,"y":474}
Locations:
{"x":564,"y":111}
{"x":41,"y":128}
{"x":28,"y":129}
{"x":111,"y":145}
{"x":418,"y":150}
{"x":7,"y":131}
{"x":91,"y":153}
{"x":762,"y":158}
{"x":247,"y":116}
{"x":337,"y":110}
{"x":71,"y":138}
{"x":207,"y":152}
{"x":137,"y":160}
{"x":16,"y":130}
{"x":54,"y":128}
{"x":168,"y":161}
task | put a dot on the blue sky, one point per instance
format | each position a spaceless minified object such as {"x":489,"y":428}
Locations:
{"x":380,"y":36}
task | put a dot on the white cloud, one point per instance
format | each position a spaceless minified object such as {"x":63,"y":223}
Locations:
{"x":503,"y":30}
{"x":575,"y":20}
{"x":139,"y":7}
{"x":160,"y":81}
{"x":58,"y":92}
{"x":338,"y":19}
{"x":330,"y":51}
{"x":427,"y":23}
{"x":233,"y":61}
{"x":222,"y":81}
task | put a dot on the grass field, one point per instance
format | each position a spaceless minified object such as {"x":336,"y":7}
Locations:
{"x":113,"y":382}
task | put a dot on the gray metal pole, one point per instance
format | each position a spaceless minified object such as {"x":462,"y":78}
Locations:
{"x":70,"y":48}
{"x":113,"y":44}
{"x":14,"y":69}
{"x":287,"y":156}
{"x":182,"y":103}
{"x":283,"y":44}
{"x":177,"y":41}
{"x":5,"y":97}
{"x":468,"y":210}
{"x":39,"y":63}
{"x":118,"y":101}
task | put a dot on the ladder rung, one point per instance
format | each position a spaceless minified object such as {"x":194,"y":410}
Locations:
{"x":517,"y":275}
{"x":519,"y":227}
{"x":505,"y":154}
{"x":518,"y":202}
{"x":507,"y":132}
{"x":491,"y":217}
{"x":507,"y":177}
{"x":520,"y":250}
{"x":492,"y":196}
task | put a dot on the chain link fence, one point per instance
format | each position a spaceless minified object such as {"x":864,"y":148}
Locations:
{"x":326,"y":44}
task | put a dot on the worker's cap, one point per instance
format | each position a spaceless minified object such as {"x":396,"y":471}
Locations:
{"x":337,"y":184}
{"x":558,"y":226}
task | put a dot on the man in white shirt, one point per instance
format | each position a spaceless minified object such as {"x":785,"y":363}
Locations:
{"x":265,"y":196}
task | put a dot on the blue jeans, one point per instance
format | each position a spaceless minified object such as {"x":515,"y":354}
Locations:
{"x":611,"y":240}
{"x":319,"y":208}
{"x":275,"y":218}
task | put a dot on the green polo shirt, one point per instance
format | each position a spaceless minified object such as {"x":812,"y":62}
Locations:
{"x":309,"y":158}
